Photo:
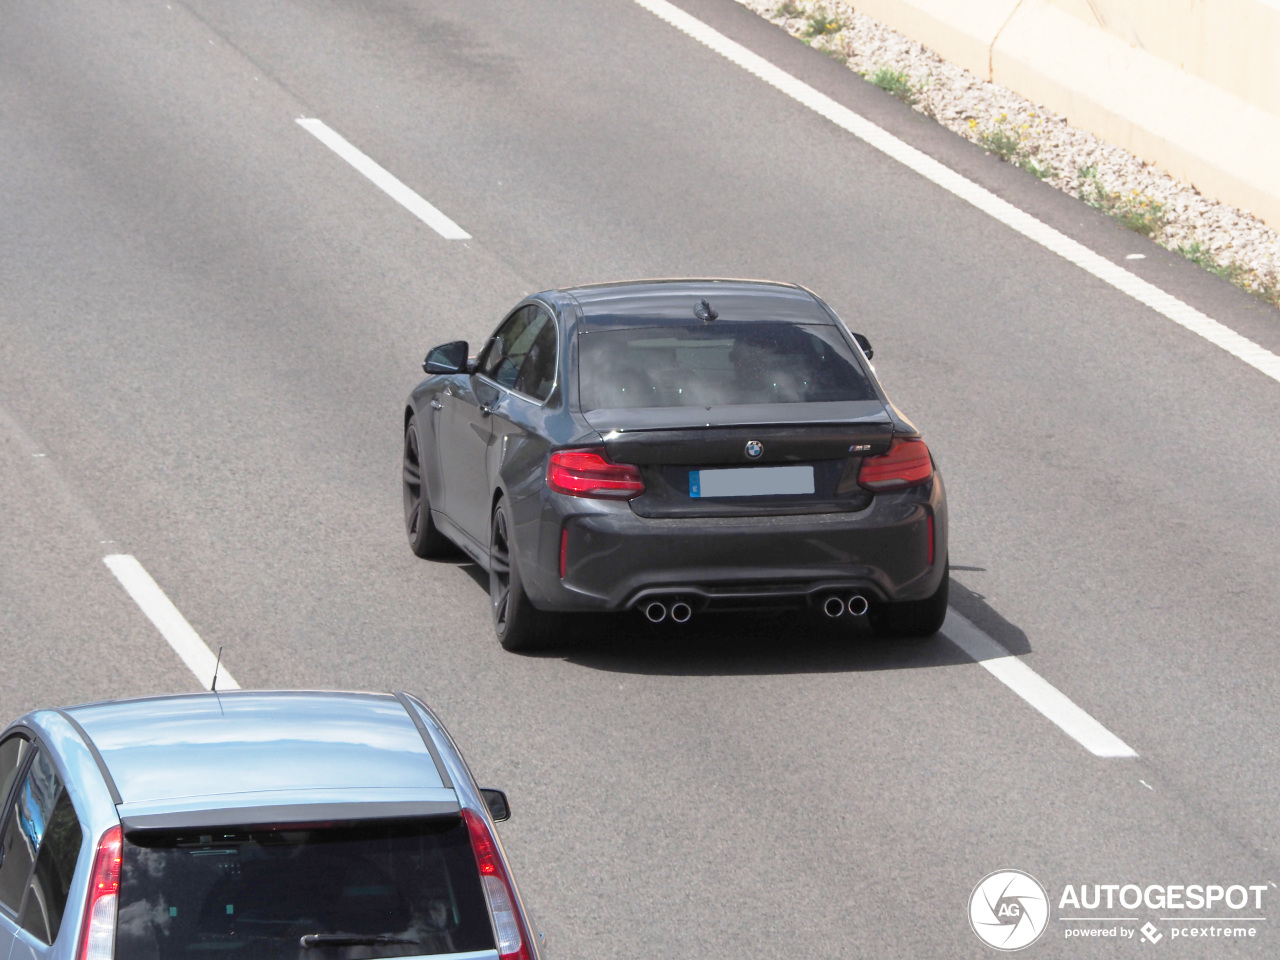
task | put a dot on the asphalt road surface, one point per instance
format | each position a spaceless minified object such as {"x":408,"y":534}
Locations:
{"x":209,"y":322}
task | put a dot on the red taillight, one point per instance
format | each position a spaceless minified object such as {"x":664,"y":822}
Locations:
{"x":906,"y":464}
{"x":98,"y":931}
{"x":589,"y":473}
{"x":508,"y":923}
{"x":564,"y":551}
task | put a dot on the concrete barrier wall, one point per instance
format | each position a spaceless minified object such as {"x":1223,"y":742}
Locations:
{"x":1192,"y":86}
{"x":1233,"y":44}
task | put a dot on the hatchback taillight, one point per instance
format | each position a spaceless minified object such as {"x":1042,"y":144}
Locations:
{"x":590,"y":473}
{"x":906,"y":464}
{"x":508,"y":923}
{"x":98,"y":931}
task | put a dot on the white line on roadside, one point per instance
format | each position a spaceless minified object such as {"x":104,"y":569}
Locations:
{"x":986,"y":201}
{"x":169,"y":621}
{"x":1034,"y":689}
{"x":384,"y":180}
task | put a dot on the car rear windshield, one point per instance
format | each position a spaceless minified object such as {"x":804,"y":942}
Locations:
{"x":717,"y":363}
{"x":255,"y":895}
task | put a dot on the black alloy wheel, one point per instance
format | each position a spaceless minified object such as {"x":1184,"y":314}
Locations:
{"x":425,"y":539}
{"x":517,"y":622}
{"x":914,"y":618}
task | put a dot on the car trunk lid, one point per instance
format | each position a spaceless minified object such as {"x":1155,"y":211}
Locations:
{"x":683,"y":453}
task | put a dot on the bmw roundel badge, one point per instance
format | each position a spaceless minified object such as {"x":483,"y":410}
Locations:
{"x":754,"y":449}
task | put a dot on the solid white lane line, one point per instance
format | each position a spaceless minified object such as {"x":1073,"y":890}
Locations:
{"x":1034,"y":689}
{"x":986,"y":201}
{"x":169,"y":621}
{"x":384,"y":180}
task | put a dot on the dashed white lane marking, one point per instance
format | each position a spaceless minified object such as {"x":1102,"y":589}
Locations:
{"x":986,"y":201}
{"x":1033,"y":688}
{"x":172,"y":625}
{"x":384,"y":180}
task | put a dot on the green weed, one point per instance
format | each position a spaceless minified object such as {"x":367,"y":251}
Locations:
{"x":895,"y":82}
{"x":1137,"y":212}
{"x":1269,"y":291}
{"x":1140,"y":213}
{"x":1008,"y":145}
{"x":1091,"y":190}
{"x":1003,"y":143}
{"x":1035,"y":166}
{"x":820,"y":24}
{"x":1198,"y":254}
{"x":1264,"y":288}
{"x":790,"y":10}
{"x":1202,"y":256}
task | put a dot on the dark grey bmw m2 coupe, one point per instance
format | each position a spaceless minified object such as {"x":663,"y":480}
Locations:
{"x":675,"y":447}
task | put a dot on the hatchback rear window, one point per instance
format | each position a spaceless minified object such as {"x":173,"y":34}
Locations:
{"x":256,"y":894}
{"x":716,"y":364}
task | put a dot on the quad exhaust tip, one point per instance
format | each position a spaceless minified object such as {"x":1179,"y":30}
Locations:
{"x":835,"y":606}
{"x":680,"y":612}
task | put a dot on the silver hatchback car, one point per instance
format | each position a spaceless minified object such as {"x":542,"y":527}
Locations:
{"x":250,"y":826}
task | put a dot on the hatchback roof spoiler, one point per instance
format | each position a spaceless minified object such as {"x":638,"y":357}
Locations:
{"x":293,"y":813}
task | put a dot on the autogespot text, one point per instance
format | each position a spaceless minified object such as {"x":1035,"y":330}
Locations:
{"x":1155,"y":896}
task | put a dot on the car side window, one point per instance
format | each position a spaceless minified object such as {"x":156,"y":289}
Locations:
{"x":524,"y":334}
{"x":24,"y":820}
{"x":538,"y":372}
{"x":55,"y":865}
{"x":12,"y":753}
{"x":499,"y":364}
{"x":39,"y":818}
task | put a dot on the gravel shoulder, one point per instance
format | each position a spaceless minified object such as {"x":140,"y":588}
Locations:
{"x":1223,"y":239}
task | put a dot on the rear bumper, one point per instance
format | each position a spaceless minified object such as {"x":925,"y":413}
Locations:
{"x":615,"y":560}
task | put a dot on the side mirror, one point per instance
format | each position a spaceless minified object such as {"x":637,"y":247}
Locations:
{"x":865,"y":344}
{"x":496,"y":801}
{"x":447,"y":358}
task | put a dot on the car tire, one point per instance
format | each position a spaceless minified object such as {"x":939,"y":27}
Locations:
{"x":519,"y":625}
{"x":425,"y":538}
{"x":913,"y":618}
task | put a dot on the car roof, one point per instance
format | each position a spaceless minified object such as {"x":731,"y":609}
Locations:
{"x":182,"y":748}
{"x":640,"y":302}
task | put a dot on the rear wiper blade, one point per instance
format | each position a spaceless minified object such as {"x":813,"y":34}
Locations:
{"x":352,"y":940}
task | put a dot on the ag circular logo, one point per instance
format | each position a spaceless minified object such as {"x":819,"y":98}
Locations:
{"x":754,"y":449}
{"x":1008,"y":910}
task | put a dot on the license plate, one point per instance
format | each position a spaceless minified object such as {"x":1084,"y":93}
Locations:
{"x":750,"y":482}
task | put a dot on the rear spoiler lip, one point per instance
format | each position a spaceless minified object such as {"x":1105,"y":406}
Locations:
{"x":299,"y":813}
{"x":833,"y":414}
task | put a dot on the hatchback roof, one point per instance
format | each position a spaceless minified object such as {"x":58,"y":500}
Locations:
{"x":236,"y":743}
{"x":639,"y":302}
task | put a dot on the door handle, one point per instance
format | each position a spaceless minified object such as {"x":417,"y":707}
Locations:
{"x":436,"y":404}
